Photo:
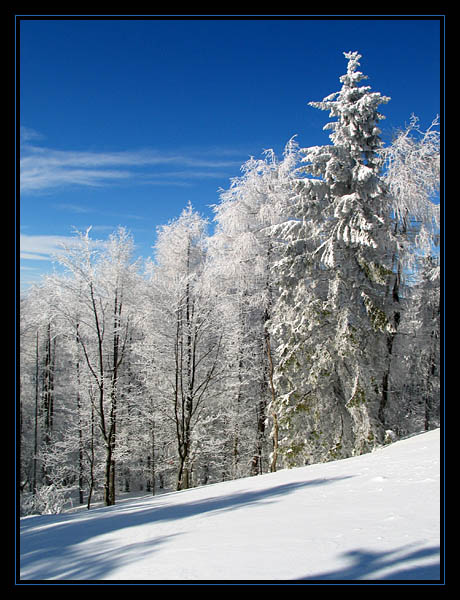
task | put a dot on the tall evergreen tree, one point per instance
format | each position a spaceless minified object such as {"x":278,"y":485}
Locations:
{"x":335,"y":309}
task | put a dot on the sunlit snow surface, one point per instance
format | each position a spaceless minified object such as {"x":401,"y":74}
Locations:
{"x":371,"y":517}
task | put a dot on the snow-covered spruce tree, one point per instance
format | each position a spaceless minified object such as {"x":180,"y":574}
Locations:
{"x":241,"y":255}
{"x":333,"y":318}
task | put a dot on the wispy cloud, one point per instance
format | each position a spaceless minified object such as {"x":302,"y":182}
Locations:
{"x":46,"y":247}
{"x":28,"y":134}
{"x":73,"y":208}
{"x":80,"y":209}
{"x":44,"y":168}
{"x":41,"y":176}
{"x":41,"y":247}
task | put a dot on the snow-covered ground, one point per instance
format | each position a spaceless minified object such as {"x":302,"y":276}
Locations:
{"x":371,"y":517}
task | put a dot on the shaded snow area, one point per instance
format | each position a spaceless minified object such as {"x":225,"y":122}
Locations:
{"x":371,"y":517}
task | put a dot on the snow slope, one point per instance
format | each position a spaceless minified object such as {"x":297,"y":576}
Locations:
{"x":371,"y":517}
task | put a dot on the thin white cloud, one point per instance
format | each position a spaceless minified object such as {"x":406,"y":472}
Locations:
{"x":28,"y":134}
{"x":34,"y":256}
{"x":38,"y":155}
{"x":46,"y":247}
{"x":41,"y":247}
{"x":190,"y":174}
{"x":73,"y":208}
{"x":79,"y":209}
{"x":34,"y":178}
{"x":44,"y":168}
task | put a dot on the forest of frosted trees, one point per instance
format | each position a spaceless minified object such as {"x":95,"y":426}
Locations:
{"x":305,"y":328}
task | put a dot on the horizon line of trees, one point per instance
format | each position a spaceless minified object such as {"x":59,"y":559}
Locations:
{"x":305,"y":328}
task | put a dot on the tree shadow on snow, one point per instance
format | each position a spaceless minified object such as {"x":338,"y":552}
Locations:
{"x":365,"y":565}
{"x":60,"y":560}
{"x":49,"y":544}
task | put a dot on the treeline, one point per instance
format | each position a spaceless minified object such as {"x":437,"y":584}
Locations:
{"x":305,"y":328}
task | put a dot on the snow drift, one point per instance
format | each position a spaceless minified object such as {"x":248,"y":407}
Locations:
{"x":371,"y":517}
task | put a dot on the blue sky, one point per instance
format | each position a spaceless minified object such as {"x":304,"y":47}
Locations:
{"x":123,"y":122}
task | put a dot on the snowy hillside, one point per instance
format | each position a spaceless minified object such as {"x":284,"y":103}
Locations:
{"x":372,"y":517}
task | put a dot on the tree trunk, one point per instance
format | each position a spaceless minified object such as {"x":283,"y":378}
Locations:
{"x":109,"y":483}
{"x":390,"y":342}
{"x":152,"y":464}
{"x":34,"y":465}
{"x":80,"y":463}
{"x":275,"y":431}
{"x":256,"y":465}
{"x":91,"y":459}
{"x":80,"y":428}
{"x":48,"y":386}
{"x":182,"y":475}
{"x":273,"y":413}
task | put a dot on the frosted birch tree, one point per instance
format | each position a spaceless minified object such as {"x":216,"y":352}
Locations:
{"x":241,"y":256}
{"x":100,"y":280}
{"x":186,"y":341}
{"x":413,"y":176}
{"x":50,"y":407}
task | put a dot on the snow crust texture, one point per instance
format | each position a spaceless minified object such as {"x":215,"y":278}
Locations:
{"x":371,"y":517}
